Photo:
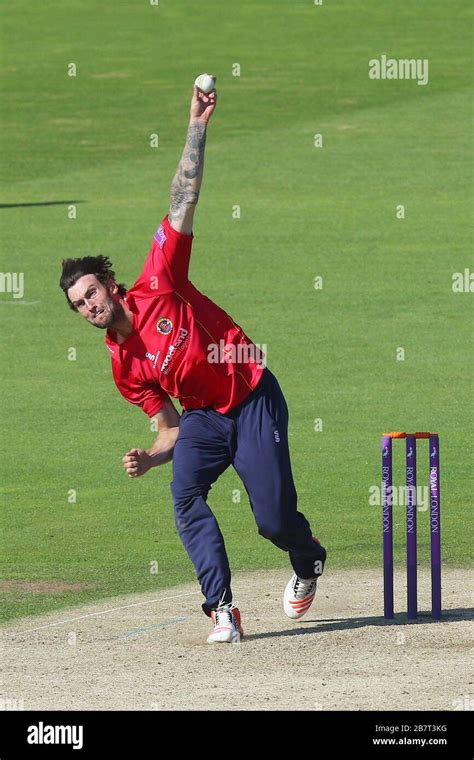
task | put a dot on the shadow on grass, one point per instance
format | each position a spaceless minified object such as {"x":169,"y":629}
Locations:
{"x":40,"y":203}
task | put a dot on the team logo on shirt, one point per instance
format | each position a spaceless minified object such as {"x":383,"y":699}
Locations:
{"x":164,"y":325}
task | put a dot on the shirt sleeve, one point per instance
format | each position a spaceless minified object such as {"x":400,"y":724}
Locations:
{"x":150,"y":397}
{"x":167,"y":263}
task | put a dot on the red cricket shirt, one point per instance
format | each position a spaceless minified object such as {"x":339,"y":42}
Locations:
{"x":182,"y":343}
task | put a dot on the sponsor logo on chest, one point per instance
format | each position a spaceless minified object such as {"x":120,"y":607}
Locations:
{"x":178,"y":345}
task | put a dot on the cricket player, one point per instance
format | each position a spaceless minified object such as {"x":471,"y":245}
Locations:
{"x":166,"y":339}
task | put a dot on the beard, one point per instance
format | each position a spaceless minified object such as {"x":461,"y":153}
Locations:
{"x":109,"y":314}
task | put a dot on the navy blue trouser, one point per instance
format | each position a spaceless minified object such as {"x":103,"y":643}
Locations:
{"x":253,"y":438}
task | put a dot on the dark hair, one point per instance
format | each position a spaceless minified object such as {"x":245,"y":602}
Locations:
{"x":73,"y":269}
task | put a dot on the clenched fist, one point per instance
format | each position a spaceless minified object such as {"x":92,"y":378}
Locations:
{"x":136,"y":462}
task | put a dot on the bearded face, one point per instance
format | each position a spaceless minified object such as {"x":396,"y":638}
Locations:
{"x":98,"y":303}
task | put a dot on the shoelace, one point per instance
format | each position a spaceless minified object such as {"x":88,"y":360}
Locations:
{"x":223,"y":616}
{"x":303,"y":588}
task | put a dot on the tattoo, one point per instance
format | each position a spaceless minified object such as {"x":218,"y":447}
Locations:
{"x":187,"y":180}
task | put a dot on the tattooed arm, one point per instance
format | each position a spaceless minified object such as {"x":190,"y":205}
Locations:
{"x":187,"y":180}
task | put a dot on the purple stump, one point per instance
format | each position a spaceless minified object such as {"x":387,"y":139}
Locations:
{"x":435,"y":528}
{"x":411,"y":527}
{"x":387,"y":526}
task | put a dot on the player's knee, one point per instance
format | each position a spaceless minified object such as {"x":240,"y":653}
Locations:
{"x":184,"y":496}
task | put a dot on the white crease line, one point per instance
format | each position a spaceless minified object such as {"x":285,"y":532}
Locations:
{"x":105,"y":612}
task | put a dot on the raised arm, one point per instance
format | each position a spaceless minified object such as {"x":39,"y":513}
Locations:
{"x":186,"y":183}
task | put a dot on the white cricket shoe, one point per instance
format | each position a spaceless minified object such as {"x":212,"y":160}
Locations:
{"x":227,"y":625}
{"x":298,"y":596}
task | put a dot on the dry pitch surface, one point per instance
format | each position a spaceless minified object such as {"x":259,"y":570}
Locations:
{"x":149,"y":651}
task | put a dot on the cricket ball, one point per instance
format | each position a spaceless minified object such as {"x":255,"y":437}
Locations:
{"x":205,"y":82}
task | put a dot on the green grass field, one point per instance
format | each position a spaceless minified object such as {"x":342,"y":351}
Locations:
{"x":305,"y":212}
